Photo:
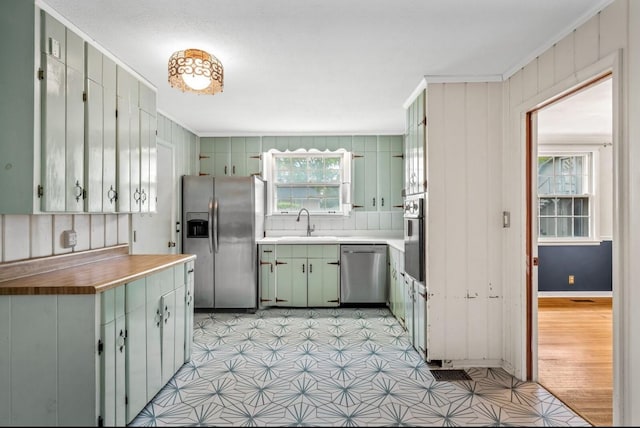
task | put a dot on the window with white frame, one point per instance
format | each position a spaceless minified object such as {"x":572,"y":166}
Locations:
{"x":565,"y":196}
{"x":315,"y":180}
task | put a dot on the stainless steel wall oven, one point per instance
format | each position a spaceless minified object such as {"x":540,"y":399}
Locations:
{"x":414,"y":237}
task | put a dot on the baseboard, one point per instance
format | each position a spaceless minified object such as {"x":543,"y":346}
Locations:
{"x":575,"y":294}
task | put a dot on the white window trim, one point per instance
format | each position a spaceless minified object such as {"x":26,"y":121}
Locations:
{"x":594,"y":195}
{"x":345,"y":174}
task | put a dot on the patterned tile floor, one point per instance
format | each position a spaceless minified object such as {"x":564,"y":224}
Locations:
{"x":333,"y":367}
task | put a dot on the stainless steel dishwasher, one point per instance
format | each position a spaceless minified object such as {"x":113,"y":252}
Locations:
{"x":363,"y":273}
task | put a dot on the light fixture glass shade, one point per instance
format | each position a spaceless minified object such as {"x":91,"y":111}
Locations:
{"x":193,"y":70}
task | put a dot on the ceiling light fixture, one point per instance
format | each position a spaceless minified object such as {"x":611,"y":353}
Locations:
{"x":193,"y":70}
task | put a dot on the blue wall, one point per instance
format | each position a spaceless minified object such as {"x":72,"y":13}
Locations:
{"x":590,"y":264}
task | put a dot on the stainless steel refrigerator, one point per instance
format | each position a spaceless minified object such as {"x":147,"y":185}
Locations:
{"x":222,"y":219}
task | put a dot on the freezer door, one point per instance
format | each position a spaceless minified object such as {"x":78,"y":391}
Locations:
{"x":197,"y":198}
{"x":234,"y":243}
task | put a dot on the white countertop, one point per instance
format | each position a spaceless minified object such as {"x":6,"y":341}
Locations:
{"x":323,"y":239}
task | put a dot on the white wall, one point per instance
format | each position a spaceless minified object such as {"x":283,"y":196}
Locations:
{"x":464,"y":222}
{"x":584,"y":53}
{"x":40,"y":235}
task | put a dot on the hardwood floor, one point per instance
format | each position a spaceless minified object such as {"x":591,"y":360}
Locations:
{"x":575,"y":358}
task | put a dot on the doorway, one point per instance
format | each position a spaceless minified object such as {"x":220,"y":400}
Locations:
{"x":570,"y":218}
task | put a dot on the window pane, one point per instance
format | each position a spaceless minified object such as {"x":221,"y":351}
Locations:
{"x":581,"y":226}
{"x":547,"y":206}
{"x":565,"y":206}
{"x":564,"y":227}
{"x":581,"y":206}
{"x":547,"y":226}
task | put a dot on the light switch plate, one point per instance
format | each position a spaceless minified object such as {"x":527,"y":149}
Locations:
{"x":69,"y":238}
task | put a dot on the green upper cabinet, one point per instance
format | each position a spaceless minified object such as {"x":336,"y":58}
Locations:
{"x":62,"y":115}
{"x":415,"y":146}
{"x":100,"y":132}
{"x":377,"y":172}
{"x":230,"y":156}
{"x":148,"y":149}
{"x":85,"y":155}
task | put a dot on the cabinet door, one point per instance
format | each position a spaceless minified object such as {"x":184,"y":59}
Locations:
{"x":267,"y":277}
{"x":384,"y":174}
{"x":74,"y":165}
{"x":121,"y":388}
{"x":408,"y":308}
{"x":189,"y":311}
{"x":421,"y":133}
{"x":323,"y":282}
{"x":291,"y":282}
{"x":391,"y":275}
{"x":396,"y":174}
{"x":135,"y":186}
{"x":180,"y":319}
{"x":136,"y":349}
{"x":168,"y":333}
{"x":420,"y":320}
{"x":94,"y":128}
{"x":108,"y":373}
{"x":53,"y":47}
{"x":145,"y":131}
{"x":222,"y":153}
{"x":239,"y":164}
{"x":109,"y":163}
{"x":123,"y":139}
{"x":371,"y":173}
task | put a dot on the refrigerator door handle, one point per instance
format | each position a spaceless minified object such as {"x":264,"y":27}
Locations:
{"x":210,"y":214}
{"x":215,"y":225}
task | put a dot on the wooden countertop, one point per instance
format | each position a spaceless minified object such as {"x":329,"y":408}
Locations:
{"x":86,"y":276}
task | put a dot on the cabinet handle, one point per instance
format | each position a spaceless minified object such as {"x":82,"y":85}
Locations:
{"x":310,"y":268}
{"x":136,"y":196}
{"x":143,"y":196}
{"x":79,"y":191}
{"x":233,"y":170}
{"x":112,"y":195}
{"x":382,"y":200}
{"x":374,"y":202}
{"x":225,"y":170}
{"x":303,"y":268}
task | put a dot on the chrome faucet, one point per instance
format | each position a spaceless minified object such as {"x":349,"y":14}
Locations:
{"x":309,"y":229}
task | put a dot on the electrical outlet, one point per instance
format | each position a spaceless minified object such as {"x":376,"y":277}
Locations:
{"x":69,"y":238}
{"x":572,"y":279}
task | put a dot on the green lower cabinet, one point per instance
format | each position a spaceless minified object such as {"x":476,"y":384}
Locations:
{"x":323,"y":279}
{"x":291,"y":282}
{"x":267,"y":276}
{"x":136,"y":349}
{"x":299,"y":275}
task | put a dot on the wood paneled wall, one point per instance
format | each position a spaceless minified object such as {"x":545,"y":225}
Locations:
{"x":464,"y":222}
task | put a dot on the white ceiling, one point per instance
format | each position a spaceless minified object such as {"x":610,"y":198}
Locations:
{"x":319,"y":66}
{"x":585,"y":113}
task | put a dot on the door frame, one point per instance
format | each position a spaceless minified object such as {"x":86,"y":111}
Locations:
{"x":607,"y":67}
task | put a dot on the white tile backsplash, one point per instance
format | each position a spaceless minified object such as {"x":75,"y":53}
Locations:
{"x":110,"y":230}
{"x":97,"y":230}
{"x":123,"y":228}
{"x":361,"y":220}
{"x":373,"y":221}
{"x":82,"y":226}
{"x":385,"y":221}
{"x":16,"y":237}
{"x":357,"y":223}
{"x":41,"y":235}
